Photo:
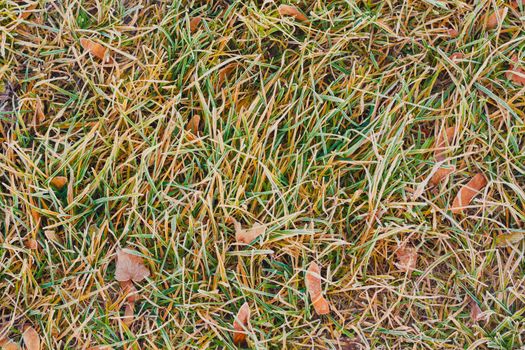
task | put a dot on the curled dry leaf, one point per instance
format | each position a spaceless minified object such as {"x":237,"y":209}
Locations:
{"x":129,"y":316}
{"x":313,"y":285}
{"x":441,"y":174}
{"x":241,"y":324}
{"x":406,"y":259}
{"x":443,"y":141}
{"x":31,"y":338}
{"x":506,"y":239}
{"x":475,"y":312}
{"x":194,"y":24}
{"x":467,"y":192}
{"x":247,"y":236}
{"x":225,"y":72}
{"x":516,"y":73}
{"x":28,"y":11}
{"x":96,"y":49}
{"x":59,"y":181}
{"x":130,"y":266}
{"x":287,"y":10}
{"x":193,"y":124}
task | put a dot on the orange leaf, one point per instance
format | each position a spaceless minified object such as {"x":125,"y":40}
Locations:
{"x":9,"y":345}
{"x":516,"y":73}
{"x":225,"y":72}
{"x":129,"y":314}
{"x":313,"y":285}
{"x":406,"y":259}
{"x":31,"y":338}
{"x":441,"y":174}
{"x":193,"y":124}
{"x":467,"y":192}
{"x":495,"y":17}
{"x":59,"y":181}
{"x":96,"y":49}
{"x":442,"y":142}
{"x":287,"y":10}
{"x":247,"y":236}
{"x":453,"y":33}
{"x":28,"y":11}
{"x":194,"y":24}
{"x":130,"y":266}
{"x":39,"y":111}
{"x":241,"y":324}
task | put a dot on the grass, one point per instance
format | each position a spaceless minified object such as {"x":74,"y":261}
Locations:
{"x":321,"y":130}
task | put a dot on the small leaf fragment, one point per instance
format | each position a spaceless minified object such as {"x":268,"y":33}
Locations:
{"x":441,"y":174}
{"x":287,"y":10}
{"x":225,"y":72}
{"x":247,"y":236}
{"x":516,"y":73}
{"x":28,"y":11}
{"x":31,"y":338}
{"x":506,"y":239}
{"x":406,"y":259}
{"x":493,"y":20}
{"x":314,"y":288}
{"x":129,"y":316}
{"x":194,"y":24}
{"x":475,"y":312}
{"x":468,"y":192}
{"x":96,"y":49}
{"x":193,"y":124}
{"x":443,"y":141}
{"x":59,"y":181}
{"x":130,"y":266}
{"x":241,"y":324}
{"x":9,"y":345}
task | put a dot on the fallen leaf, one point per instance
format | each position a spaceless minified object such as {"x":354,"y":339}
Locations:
{"x":31,"y":338}
{"x":443,"y":141}
{"x":130,"y":266}
{"x":59,"y":181}
{"x":506,"y":239}
{"x":193,"y":124}
{"x":31,"y":244}
{"x":28,"y":11}
{"x":467,"y":192}
{"x":441,"y":174}
{"x":287,"y":10}
{"x":494,"y":19}
{"x":130,"y":291}
{"x":516,"y":73}
{"x":475,"y":312}
{"x":225,"y":72}
{"x":129,"y":314}
{"x":9,"y":345}
{"x":241,"y":324}
{"x":247,"y":236}
{"x":52,"y":236}
{"x":96,"y":49}
{"x":453,"y":33}
{"x":456,"y":56}
{"x":39,"y":111}
{"x":194,"y":24}
{"x":406,"y":259}
{"x":313,"y":285}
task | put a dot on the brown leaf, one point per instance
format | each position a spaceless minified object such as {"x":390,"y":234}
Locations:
{"x":28,"y":11}
{"x":247,"y":236}
{"x":130,"y":266}
{"x":39,"y":111}
{"x":441,"y":174}
{"x":287,"y":10}
{"x":453,"y":33}
{"x":456,"y":56}
{"x":96,"y":49}
{"x":443,"y":141}
{"x":475,"y":312}
{"x":129,"y":316}
{"x":130,"y":291}
{"x":516,"y":73}
{"x":9,"y":345}
{"x":241,"y":323}
{"x":194,"y":24}
{"x":225,"y":72}
{"x":506,"y":239}
{"x":406,"y":259}
{"x":313,"y":285}
{"x":59,"y":181}
{"x":193,"y":124}
{"x":495,"y":17}
{"x":31,"y":244}
{"x":467,"y":192}
{"x":31,"y":338}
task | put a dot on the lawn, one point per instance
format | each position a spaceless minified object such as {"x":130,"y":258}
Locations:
{"x":229,"y":174}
